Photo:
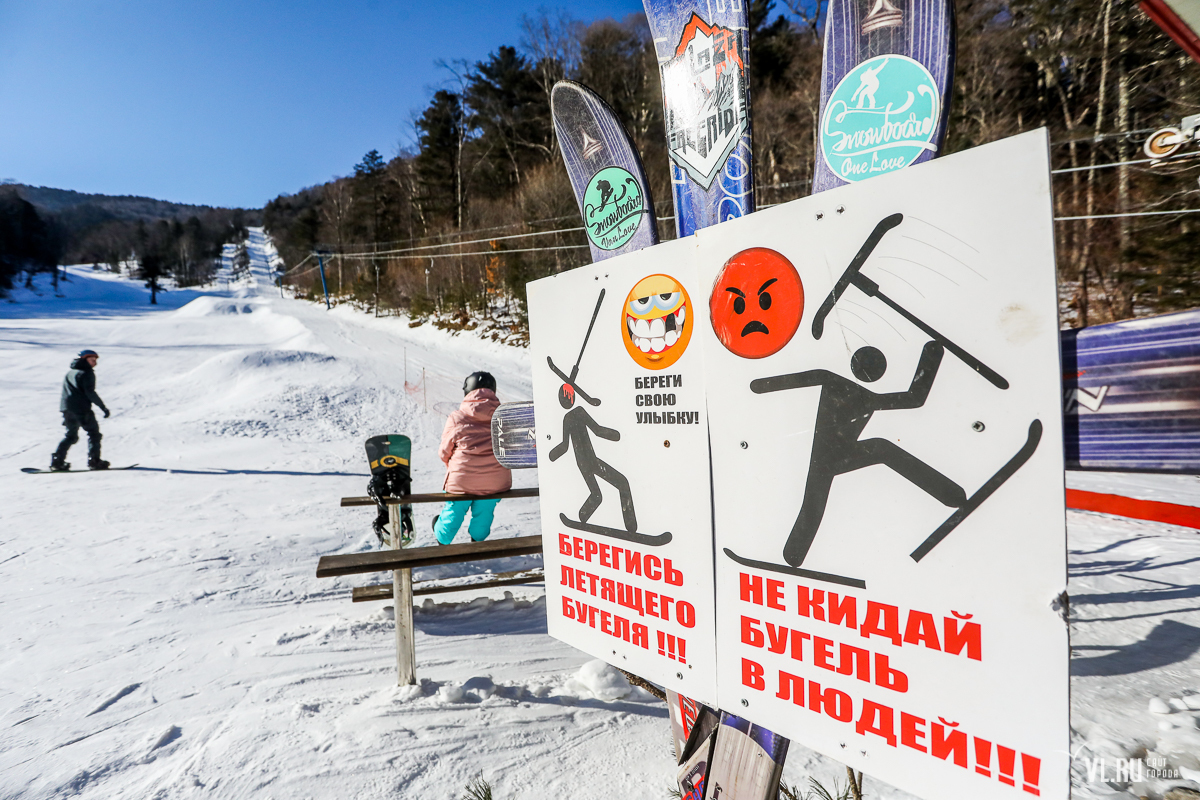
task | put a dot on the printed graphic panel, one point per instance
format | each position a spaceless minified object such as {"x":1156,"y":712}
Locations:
{"x":1131,"y":394}
{"x":888,"y":474}
{"x":618,"y":388}
{"x":702,"y":53}
{"x":605,"y":171}
{"x":888,"y":71}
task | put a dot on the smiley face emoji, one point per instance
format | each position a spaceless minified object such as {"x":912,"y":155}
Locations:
{"x":657,"y":321}
{"x":756,"y":303}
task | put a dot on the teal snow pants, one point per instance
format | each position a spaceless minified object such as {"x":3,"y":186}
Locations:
{"x":455,"y":511}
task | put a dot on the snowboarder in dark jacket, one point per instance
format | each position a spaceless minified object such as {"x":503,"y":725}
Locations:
{"x":78,"y":397}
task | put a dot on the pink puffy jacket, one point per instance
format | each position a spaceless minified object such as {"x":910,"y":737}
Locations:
{"x":471,"y":467}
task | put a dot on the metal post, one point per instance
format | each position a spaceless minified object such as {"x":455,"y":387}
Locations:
{"x":402,"y":599}
{"x":324,"y":288}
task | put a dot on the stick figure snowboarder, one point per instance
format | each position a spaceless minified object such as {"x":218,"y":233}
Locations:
{"x":844,"y":409}
{"x":578,"y":426}
{"x":843,"y":412}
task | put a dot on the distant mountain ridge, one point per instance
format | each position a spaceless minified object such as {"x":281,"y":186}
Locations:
{"x":59,"y":201}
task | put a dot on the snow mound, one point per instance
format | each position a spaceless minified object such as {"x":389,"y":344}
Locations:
{"x":213,"y":306}
{"x":599,"y":680}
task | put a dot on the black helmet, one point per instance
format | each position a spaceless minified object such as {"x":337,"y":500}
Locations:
{"x":479,"y":380}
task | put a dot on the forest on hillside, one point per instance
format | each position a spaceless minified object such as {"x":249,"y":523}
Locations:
{"x":41,"y":228}
{"x":459,"y":223}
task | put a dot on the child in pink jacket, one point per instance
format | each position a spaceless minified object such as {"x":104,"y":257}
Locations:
{"x":471,"y":467}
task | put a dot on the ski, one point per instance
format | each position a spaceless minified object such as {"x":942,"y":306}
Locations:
{"x":983,"y":493}
{"x":702,"y":59}
{"x":605,"y":170}
{"x":652,"y":540}
{"x":787,"y":569}
{"x":888,"y":77}
{"x":36,"y":471}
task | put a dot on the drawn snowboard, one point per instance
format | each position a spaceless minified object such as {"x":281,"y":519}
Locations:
{"x":983,"y":493}
{"x":36,"y":471}
{"x":652,"y":540}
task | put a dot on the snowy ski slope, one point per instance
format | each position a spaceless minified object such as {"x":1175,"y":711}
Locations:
{"x":164,"y":635}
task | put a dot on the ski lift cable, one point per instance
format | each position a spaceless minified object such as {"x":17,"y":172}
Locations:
{"x":1131,"y":214}
{"x":474,"y":230}
{"x":476,"y":241}
{"x":365,"y":256}
{"x":1124,"y":163}
{"x":459,"y":244}
{"x":1101,"y":136}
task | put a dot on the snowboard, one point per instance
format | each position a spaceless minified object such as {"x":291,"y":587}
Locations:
{"x":746,"y":762}
{"x":36,"y":471}
{"x":606,"y":173}
{"x":514,"y":436}
{"x":703,"y":59}
{"x":788,"y":569}
{"x":887,"y":79}
{"x":650,"y":539}
{"x":391,"y":476}
{"x":983,"y":492}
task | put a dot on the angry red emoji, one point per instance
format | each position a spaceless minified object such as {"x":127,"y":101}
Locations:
{"x":756,"y":303}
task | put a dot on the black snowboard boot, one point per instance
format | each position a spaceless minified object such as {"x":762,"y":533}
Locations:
{"x":97,"y":463}
{"x":58,"y":465}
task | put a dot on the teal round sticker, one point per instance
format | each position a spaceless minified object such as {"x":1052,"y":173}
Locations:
{"x":880,"y":117}
{"x":612,"y":207}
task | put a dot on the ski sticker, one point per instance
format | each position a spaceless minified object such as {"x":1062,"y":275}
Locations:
{"x":590,"y":146}
{"x":613,"y":207}
{"x":880,"y":118}
{"x":708,"y":112}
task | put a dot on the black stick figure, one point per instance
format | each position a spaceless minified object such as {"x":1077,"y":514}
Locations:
{"x":576,"y":426}
{"x":843,"y":412}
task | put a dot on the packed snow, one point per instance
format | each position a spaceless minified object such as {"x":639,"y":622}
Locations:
{"x":165,"y":634}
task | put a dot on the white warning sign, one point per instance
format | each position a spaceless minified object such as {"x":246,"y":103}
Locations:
{"x":623,"y":465}
{"x":884,"y":402}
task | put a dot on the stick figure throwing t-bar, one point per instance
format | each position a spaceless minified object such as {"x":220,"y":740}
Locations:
{"x":843,"y":412}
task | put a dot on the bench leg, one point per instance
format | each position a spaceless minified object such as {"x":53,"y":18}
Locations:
{"x":402,"y":598}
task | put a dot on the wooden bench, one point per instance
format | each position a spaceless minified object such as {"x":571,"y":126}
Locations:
{"x":418,"y":557}
{"x":401,"y":562}
{"x":383,"y":591}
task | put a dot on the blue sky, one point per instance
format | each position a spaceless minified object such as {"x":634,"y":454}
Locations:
{"x":229,"y":103}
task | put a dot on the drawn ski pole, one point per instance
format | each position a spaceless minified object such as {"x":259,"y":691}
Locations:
{"x":853,"y":277}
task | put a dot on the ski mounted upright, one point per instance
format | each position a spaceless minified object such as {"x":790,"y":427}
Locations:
{"x":702,"y":55}
{"x":617,"y":208}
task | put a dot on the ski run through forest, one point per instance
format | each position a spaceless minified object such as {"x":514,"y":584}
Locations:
{"x":166,"y":637}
